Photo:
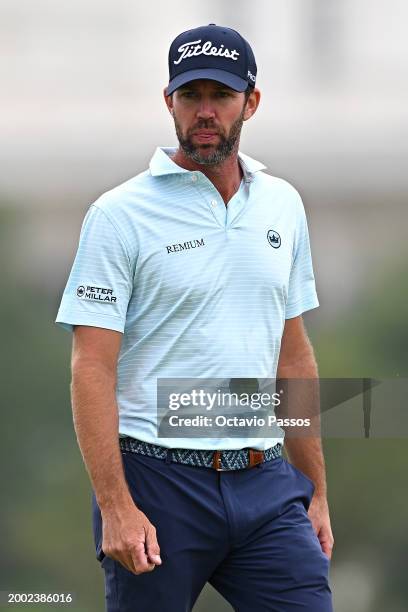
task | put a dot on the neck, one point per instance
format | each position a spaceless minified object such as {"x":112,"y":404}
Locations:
{"x":226,"y":176}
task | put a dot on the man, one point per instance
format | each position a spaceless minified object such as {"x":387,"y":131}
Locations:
{"x":200,"y":268}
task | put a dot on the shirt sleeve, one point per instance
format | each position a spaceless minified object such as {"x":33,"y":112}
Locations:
{"x":302,"y":294}
{"x":100,"y":284}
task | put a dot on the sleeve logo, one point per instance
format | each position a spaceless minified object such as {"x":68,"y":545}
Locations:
{"x":95,"y":294}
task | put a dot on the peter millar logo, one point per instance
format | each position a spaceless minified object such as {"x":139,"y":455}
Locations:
{"x":95,"y":294}
{"x":274,"y":239}
{"x":194,"y":48}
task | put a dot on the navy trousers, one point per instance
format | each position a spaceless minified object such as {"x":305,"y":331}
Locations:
{"x":245,"y":532}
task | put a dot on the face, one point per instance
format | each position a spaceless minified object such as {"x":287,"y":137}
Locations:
{"x":208,"y":118}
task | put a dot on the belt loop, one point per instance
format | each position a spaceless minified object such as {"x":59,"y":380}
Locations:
{"x":168,"y":456}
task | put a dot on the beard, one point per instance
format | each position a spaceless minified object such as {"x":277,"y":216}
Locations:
{"x":220,"y":152}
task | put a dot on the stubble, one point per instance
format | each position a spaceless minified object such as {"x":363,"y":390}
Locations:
{"x":220,"y":152}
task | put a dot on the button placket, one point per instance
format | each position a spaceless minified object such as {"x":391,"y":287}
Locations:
{"x":239,"y":203}
{"x":204,"y":186}
{"x":218,"y":209}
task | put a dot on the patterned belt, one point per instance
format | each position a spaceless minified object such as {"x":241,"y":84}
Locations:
{"x":219,"y":460}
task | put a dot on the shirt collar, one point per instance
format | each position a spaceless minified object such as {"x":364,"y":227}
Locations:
{"x":161,"y":164}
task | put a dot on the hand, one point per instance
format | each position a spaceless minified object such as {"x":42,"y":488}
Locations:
{"x":130,"y":538}
{"x":319,"y":516}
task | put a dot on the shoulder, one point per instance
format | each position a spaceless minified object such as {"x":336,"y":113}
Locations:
{"x":115,"y":212}
{"x":280,"y":190}
{"x":125,"y":195}
{"x":263,"y":181}
{"x":124,"y":204}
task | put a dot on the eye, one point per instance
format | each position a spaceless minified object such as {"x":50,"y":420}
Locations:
{"x":188,"y":94}
{"x":223,"y":94}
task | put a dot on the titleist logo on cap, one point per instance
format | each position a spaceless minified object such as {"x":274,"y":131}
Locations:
{"x":194,"y":48}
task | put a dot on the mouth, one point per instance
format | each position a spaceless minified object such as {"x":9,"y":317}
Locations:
{"x":204,"y":135}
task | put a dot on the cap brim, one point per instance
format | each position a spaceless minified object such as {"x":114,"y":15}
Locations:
{"x":213,"y":74}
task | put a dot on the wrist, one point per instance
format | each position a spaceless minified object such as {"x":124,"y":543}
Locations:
{"x":115,"y":503}
{"x":320,"y":495}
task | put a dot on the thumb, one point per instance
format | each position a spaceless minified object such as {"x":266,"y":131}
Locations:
{"x":152,"y":547}
{"x":326,"y":543}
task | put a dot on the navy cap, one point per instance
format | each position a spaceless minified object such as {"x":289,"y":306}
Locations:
{"x":211,"y":52}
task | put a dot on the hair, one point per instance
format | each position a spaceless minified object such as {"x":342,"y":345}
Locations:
{"x":248,"y":91}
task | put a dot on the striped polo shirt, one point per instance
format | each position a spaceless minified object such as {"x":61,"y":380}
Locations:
{"x":197,"y":288}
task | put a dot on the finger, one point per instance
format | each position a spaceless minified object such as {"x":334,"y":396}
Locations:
{"x":125,"y":559}
{"x":140,"y":560}
{"x":327,"y":547}
{"x":327,"y":551}
{"x":152,"y":546}
{"x":155,"y":559}
{"x":142,"y":566}
{"x":315,"y":525}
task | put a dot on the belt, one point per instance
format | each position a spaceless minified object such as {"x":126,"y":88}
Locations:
{"x":219,"y":460}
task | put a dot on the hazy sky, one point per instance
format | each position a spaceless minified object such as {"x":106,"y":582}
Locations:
{"x":82,"y":82}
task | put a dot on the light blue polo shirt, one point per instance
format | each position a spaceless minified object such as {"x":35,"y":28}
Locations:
{"x":198,"y":289}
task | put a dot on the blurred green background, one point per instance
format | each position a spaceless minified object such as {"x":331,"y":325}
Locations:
{"x":83,"y":112}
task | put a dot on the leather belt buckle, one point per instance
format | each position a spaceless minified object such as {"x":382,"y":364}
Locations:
{"x":255,"y":457}
{"x":216,"y":462}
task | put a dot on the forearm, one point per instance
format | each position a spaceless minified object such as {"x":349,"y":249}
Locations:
{"x":306,"y":454}
{"x":95,"y":416}
{"x":303,"y":445}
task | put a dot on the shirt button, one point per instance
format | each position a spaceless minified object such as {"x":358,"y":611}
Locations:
{"x":213,"y":203}
{"x":194,"y":178}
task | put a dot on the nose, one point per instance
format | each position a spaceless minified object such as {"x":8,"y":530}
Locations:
{"x":205,"y":109}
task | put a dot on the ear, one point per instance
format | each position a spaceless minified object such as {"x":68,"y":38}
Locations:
{"x":252,"y":103}
{"x":168,"y":100}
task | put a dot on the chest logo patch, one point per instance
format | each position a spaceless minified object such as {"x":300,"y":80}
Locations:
{"x":273,"y":238}
{"x":190,"y":244}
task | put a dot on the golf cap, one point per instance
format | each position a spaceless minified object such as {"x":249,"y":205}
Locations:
{"x":211,"y":52}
